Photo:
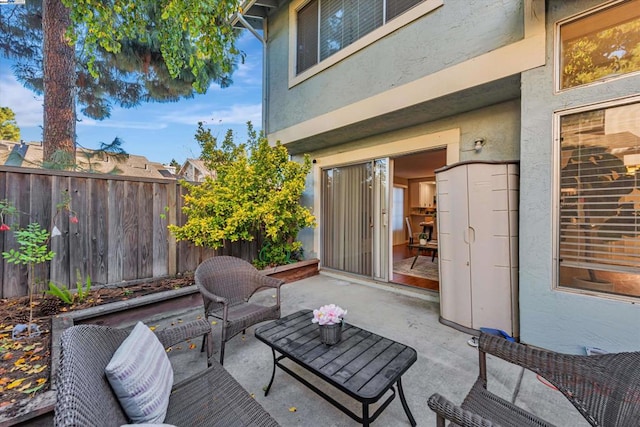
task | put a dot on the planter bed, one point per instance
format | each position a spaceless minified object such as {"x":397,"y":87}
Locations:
{"x":39,"y":410}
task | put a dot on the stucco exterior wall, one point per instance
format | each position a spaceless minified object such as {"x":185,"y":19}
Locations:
{"x":472,"y":28}
{"x":555,"y":319}
{"x":498,"y":124}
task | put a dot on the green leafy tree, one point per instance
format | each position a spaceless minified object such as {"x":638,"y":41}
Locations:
{"x":174,"y":163}
{"x":604,"y":53}
{"x":106,"y":53}
{"x":9,"y":129}
{"x":256,"y":192}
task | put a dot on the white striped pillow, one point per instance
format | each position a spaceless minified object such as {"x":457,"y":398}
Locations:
{"x":141,"y":376}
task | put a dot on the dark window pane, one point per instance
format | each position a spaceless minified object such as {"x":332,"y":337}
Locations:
{"x":397,"y":7}
{"x":307,"y":42}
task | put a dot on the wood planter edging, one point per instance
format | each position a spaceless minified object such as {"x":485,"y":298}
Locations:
{"x":296,"y":271}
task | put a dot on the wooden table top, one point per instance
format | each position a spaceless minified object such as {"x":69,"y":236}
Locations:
{"x":363,"y":364}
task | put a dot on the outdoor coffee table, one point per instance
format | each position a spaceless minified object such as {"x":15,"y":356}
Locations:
{"x":363,"y":365}
{"x":430,"y":246}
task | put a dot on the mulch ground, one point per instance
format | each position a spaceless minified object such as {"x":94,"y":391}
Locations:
{"x":25,"y":361}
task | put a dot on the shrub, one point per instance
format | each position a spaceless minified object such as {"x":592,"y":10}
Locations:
{"x":256,"y":192}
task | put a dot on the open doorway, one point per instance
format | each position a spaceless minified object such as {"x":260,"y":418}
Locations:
{"x":414,"y":220}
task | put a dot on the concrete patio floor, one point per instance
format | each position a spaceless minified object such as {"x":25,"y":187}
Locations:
{"x":446,"y":363}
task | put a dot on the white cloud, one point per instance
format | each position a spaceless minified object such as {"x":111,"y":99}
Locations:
{"x":122,"y":124}
{"x":233,"y":115}
{"x":26,"y":104}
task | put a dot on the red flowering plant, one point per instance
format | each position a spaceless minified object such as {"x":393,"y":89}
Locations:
{"x":6,"y":210}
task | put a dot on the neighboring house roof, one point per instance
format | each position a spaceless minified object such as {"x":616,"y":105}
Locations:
{"x":195,"y":170}
{"x":30,"y":155}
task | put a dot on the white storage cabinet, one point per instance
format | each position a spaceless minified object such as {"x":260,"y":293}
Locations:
{"x":478,"y":245}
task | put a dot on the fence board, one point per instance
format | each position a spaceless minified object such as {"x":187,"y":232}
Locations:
{"x":145,"y":230}
{"x":185,"y":250}
{"x":15,"y":278}
{"x":98,"y":226}
{"x":78,"y":232}
{"x":130,"y":228}
{"x":60,"y":244}
{"x":3,"y":235}
{"x":116,"y":231}
{"x":40,"y":212}
{"x":160,"y":232}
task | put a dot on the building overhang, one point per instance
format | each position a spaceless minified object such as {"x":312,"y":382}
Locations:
{"x":253,"y":12}
{"x":474,"y":98}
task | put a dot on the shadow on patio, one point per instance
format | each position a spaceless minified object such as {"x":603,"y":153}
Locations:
{"x":446,"y":363}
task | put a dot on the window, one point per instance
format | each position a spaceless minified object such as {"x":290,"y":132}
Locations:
{"x":600,"y":45}
{"x":599,"y":246}
{"x":325,"y":27}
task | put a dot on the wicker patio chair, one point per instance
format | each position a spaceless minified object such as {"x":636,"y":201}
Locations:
{"x":605,"y":388}
{"x":226,"y":284}
{"x":85,"y":398}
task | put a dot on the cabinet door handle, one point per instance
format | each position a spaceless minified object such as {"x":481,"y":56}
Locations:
{"x":472,"y":235}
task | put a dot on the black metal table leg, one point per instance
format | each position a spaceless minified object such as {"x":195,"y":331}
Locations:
{"x":404,"y":403}
{"x":414,"y":260}
{"x":273,"y":374}
{"x":365,"y":415}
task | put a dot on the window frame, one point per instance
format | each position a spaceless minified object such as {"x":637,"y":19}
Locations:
{"x":557,"y":55}
{"x":556,"y":194}
{"x":399,"y":21}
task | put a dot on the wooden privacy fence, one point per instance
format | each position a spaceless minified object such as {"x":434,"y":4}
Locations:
{"x":121,"y":233}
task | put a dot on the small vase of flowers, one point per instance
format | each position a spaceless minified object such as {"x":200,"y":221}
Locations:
{"x":329,"y":319}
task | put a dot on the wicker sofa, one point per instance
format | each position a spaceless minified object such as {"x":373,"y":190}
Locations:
{"x":605,"y":389}
{"x":84,"y":397}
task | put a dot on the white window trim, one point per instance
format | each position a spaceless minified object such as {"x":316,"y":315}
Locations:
{"x":396,"y":23}
{"x":558,"y":50}
{"x":556,"y":197}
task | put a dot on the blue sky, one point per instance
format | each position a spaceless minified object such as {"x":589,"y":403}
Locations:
{"x":159,"y":131}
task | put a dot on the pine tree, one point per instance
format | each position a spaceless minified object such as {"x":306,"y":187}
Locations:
{"x":142,"y":59}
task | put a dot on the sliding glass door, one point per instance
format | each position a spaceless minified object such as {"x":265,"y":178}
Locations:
{"x":354,"y":222}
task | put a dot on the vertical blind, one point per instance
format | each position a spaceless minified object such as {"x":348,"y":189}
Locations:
{"x":346,"y":218}
{"x":599,"y":194}
{"x":307,"y":43}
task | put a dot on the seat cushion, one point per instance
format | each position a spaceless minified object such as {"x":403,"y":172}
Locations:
{"x":141,"y":376}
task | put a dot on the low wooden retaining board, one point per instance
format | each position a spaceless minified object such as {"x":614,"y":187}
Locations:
{"x":296,"y":271}
{"x":39,"y":412}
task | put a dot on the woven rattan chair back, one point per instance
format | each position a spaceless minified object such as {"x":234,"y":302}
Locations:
{"x":605,"y":389}
{"x":226,"y":284}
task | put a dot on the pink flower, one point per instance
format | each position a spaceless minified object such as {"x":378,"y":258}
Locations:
{"x":73,"y":219}
{"x":4,"y":227}
{"x":328,"y":315}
